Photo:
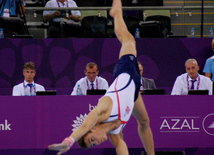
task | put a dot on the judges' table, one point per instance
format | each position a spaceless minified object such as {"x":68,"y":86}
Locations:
{"x":177,"y":122}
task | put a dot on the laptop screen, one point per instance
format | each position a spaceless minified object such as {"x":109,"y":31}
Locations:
{"x":153,"y":92}
{"x":47,"y":92}
{"x":198,"y":92}
{"x":96,"y":92}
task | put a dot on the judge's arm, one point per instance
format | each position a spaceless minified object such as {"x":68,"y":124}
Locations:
{"x":208,"y":75}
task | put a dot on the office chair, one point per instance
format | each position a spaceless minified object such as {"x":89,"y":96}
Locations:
{"x":165,"y":23}
{"x":13,"y":26}
{"x":132,"y":23}
{"x":94,"y":27}
{"x":150,"y":29}
{"x":70,"y":30}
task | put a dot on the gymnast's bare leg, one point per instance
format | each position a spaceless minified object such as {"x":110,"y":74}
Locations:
{"x":129,"y":47}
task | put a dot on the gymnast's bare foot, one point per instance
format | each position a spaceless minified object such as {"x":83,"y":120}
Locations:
{"x":116,"y":8}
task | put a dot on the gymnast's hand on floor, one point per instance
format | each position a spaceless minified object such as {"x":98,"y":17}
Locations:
{"x":62,"y":147}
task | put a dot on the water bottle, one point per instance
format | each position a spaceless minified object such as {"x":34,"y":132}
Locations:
{"x":192,"y":33}
{"x":26,"y":91}
{"x":33,"y":93}
{"x":79,"y":92}
{"x":1,"y":33}
{"x":137,"y":33}
{"x":211,"y":33}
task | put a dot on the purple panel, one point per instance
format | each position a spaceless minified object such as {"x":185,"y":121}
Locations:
{"x":44,"y":82}
{"x":59,"y":59}
{"x":16,"y":42}
{"x":20,"y":81}
{"x":63,"y":82}
{"x":110,"y":52}
{"x":4,"y":83}
{"x":80,"y":67}
{"x":150,"y":69}
{"x":32,"y":53}
{"x":48,"y":41}
{"x":163,"y":59}
{"x":109,"y":76}
{"x":34,"y":122}
{"x":7,"y":63}
{"x":80,"y":44}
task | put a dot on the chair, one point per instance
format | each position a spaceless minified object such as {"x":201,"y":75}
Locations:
{"x":72,"y":29}
{"x":160,"y":15}
{"x":150,"y":29}
{"x":132,"y":23}
{"x":165,"y":23}
{"x":13,"y":26}
{"x":94,"y":27}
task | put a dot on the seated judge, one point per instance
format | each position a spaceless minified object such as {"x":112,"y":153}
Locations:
{"x":70,"y":18}
{"x":91,"y":80}
{"x":191,"y":80}
{"x":29,"y":72}
{"x":145,"y":82}
{"x":209,"y":65}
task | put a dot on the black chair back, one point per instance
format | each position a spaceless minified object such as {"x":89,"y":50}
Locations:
{"x":132,"y":23}
{"x":94,"y":27}
{"x":165,"y":23}
{"x":150,"y":29}
{"x":12,"y":26}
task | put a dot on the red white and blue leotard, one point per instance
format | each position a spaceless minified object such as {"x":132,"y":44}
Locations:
{"x":124,"y":90}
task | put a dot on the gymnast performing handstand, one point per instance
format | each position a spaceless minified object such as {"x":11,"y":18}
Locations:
{"x":120,"y":101}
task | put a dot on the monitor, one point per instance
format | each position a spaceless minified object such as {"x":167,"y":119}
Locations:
{"x":198,"y":92}
{"x":46,"y":92}
{"x":96,"y":92}
{"x":153,"y":92}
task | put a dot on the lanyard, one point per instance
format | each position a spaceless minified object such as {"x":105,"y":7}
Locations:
{"x":32,"y":83}
{"x":88,"y":83}
{"x":193,"y":83}
{"x":59,"y":5}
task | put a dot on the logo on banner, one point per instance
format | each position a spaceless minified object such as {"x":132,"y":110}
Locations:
{"x":5,"y":126}
{"x":180,"y":124}
{"x":78,"y":122}
{"x":208,"y":124}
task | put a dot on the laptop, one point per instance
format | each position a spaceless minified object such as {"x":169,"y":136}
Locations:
{"x":198,"y":92}
{"x":46,"y":92}
{"x":96,"y":92}
{"x":153,"y":92}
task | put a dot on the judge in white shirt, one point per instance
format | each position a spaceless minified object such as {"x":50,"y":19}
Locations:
{"x":29,"y":72}
{"x":91,"y":80}
{"x":191,"y":80}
